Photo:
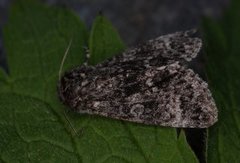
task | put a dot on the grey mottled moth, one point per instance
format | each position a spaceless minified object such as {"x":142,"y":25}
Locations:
{"x":148,"y":84}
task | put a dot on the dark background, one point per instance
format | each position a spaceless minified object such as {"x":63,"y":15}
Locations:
{"x":138,"y":21}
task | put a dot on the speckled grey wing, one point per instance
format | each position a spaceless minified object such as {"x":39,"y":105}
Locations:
{"x":179,"y":46}
{"x":169,"y":95}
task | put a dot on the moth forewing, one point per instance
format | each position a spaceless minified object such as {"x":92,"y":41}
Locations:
{"x":149,"y":84}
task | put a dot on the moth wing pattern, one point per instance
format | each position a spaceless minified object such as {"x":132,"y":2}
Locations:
{"x":128,"y":87}
{"x":170,"y":95}
{"x":179,"y":46}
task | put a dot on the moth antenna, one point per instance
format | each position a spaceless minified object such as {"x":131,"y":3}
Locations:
{"x":70,"y":124}
{"x":59,"y":75}
{"x":64,"y":58}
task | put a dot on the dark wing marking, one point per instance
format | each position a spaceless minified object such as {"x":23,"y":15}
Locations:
{"x":170,"y":95}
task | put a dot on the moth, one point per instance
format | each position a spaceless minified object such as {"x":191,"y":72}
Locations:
{"x":149,"y":84}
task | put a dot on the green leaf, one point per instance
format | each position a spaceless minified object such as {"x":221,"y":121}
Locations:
{"x":223,"y":55}
{"x":4,"y":84}
{"x":32,"y":132}
{"x":103,"y":34}
{"x":36,"y":127}
{"x":35,"y":39}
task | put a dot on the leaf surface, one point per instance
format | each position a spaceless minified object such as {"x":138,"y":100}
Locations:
{"x":104,"y":41}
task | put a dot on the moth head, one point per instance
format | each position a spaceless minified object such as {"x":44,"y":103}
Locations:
{"x":71,"y":84}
